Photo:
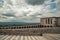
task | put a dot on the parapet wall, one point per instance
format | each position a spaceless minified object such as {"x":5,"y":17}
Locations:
{"x":35,"y":31}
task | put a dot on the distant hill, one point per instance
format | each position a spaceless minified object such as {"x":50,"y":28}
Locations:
{"x":16,"y":23}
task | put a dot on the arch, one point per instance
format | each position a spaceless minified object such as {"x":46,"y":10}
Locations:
{"x":41,"y":26}
{"x":24,"y":27}
{"x":48,"y":26}
{"x":19,"y":27}
{"x":29,"y":26}
{"x":14,"y":27}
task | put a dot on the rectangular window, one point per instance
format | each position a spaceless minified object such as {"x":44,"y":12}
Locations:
{"x":48,"y":21}
{"x":51,"y":21}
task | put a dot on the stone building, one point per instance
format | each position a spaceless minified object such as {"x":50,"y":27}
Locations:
{"x":50,"y":21}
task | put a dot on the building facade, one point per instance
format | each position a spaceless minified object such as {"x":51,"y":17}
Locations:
{"x":50,"y":21}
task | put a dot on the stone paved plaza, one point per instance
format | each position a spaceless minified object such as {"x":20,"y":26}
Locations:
{"x":21,"y":37}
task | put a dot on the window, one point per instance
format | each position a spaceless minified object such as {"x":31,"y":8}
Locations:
{"x":46,"y":21}
{"x":51,"y":21}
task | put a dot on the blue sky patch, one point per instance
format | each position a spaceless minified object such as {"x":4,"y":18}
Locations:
{"x":53,"y":5}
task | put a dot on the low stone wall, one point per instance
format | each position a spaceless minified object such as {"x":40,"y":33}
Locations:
{"x":28,"y":31}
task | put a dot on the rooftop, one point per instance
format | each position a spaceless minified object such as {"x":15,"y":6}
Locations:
{"x":50,"y":17}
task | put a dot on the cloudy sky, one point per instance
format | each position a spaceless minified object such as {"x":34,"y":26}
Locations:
{"x":28,"y":10}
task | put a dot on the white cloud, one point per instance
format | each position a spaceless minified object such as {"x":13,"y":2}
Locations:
{"x":28,"y":13}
